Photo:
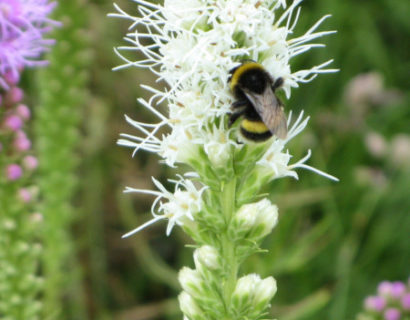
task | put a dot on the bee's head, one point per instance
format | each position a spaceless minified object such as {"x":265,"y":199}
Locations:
{"x":254,"y":78}
{"x":250,"y":75}
{"x":234,"y":69}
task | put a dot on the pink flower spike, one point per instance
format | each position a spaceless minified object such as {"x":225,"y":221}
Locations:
{"x":30,"y":162}
{"x":13,"y":122}
{"x":392,"y":314}
{"x":14,"y":172}
{"x":375,"y":303}
{"x":23,"y":111}
{"x":405,"y":302}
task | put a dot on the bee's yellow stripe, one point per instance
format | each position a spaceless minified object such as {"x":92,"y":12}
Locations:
{"x":254,"y":126}
{"x":241,"y":70}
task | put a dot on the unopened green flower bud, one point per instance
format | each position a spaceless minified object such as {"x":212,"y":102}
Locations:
{"x":245,"y":217}
{"x":207,"y":256}
{"x":243,"y":294}
{"x":252,"y":291}
{"x":255,"y":220}
{"x":191,"y":281}
{"x":264,"y":292}
{"x":188,"y":306}
{"x":266,"y":219}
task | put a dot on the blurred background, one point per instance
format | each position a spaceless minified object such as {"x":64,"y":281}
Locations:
{"x":334,"y":241}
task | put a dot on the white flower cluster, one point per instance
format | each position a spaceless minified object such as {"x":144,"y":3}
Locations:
{"x":275,"y":161}
{"x":191,"y":46}
{"x":181,"y":205}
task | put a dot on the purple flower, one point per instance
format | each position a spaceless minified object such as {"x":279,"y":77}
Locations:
{"x":384,"y":288}
{"x":392,"y":314}
{"x":30,"y":162}
{"x":15,"y":95}
{"x":14,"y":172}
{"x":23,"y":112}
{"x":398,"y":289}
{"x":13,"y":122}
{"x":25,"y":195}
{"x":21,"y":142}
{"x":374,"y":303}
{"x":405,"y":302}
{"x":23,"y":24}
{"x":391,"y":303}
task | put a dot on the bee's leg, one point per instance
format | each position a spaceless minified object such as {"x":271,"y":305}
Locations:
{"x":277,"y":84}
{"x":239,"y":104}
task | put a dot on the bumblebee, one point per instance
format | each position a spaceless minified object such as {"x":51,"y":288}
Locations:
{"x":256,"y":102}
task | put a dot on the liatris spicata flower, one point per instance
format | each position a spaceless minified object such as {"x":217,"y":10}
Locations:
{"x":23,"y":24}
{"x":392,"y":302}
{"x":191,"y":46}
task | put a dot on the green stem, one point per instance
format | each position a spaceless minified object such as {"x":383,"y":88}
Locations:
{"x":228,"y":199}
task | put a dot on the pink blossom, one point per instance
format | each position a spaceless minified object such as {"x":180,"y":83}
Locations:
{"x":14,"y":172}
{"x":405,"y":302}
{"x":375,"y":303}
{"x":30,"y":162}
{"x":398,"y":289}
{"x":392,"y":314}
{"x":384,"y":288}
{"x":21,"y":143}
{"x":13,"y":122}
{"x":23,"y":111}
{"x":25,"y":195}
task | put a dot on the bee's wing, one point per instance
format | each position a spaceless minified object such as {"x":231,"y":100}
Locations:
{"x":268,"y":106}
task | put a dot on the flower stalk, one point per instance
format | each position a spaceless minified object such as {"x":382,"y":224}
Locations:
{"x":228,"y":247}
{"x":192,"y":46}
{"x":62,"y":99}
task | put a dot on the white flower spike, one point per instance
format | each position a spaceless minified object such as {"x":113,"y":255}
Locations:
{"x":191,"y":45}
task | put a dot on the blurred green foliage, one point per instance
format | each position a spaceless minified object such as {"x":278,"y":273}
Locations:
{"x":58,"y":115}
{"x":334,"y":242}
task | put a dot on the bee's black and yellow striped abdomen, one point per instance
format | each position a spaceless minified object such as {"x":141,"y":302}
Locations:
{"x":254,"y":130}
